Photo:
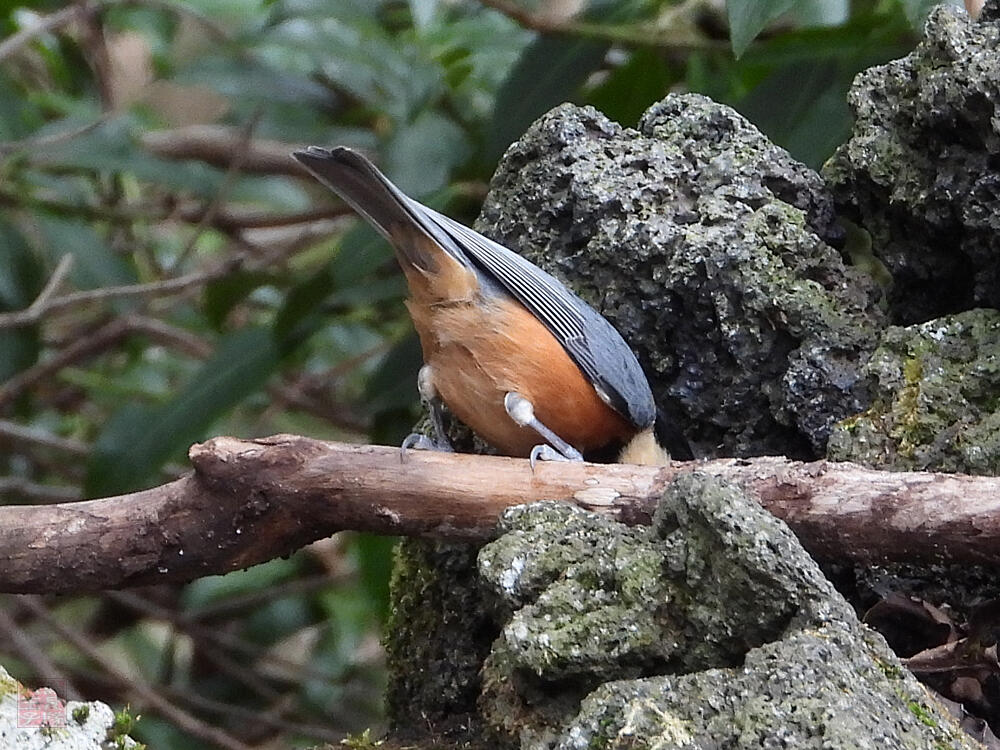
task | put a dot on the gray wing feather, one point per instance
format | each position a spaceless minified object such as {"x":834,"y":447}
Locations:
{"x":590,"y":340}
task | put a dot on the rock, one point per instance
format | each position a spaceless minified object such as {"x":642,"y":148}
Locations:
{"x":936,"y":403}
{"x":73,"y":726}
{"x":712,"y":628}
{"x":708,"y":248}
{"x":921,"y":171}
{"x":437,"y":636}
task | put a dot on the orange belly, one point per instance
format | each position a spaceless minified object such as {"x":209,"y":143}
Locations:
{"x":481,"y":348}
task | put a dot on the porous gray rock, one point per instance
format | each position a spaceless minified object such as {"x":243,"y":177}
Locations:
{"x":936,"y":404}
{"x":712,"y":628}
{"x":921,"y":171}
{"x":708,"y":248}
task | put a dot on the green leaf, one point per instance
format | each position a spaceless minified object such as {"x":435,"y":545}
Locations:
{"x":301,"y":315}
{"x":549,"y":72}
{"x":222,"y":295}
{"x":420,"y":156}
{"x":20,"y":271}
{"x":394,"y":383}
{"x":214,"y":589}
{"x":94,"y":263}
{"x":747,"y":18}
{"x":631,"y":88}
{"x":20,"y":282}
{"x":18,"y":117}
{"x":137,"y":440}
{"x":371,"y":293}
{"x":375,"y":567}
{"x":916,"y":10}
{"x":389,"y":73}
{"x":803,"y":108}
{"x":112,"y":147}
{"x":362,"y":252}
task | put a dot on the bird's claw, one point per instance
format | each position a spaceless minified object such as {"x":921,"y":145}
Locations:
{"x":548,"y":453}
{"x":422,"y":442}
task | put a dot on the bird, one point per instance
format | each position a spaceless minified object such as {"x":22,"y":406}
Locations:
{"x":513,"y":353}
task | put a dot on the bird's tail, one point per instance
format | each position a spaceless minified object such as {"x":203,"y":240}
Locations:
{"x":364,"y":188}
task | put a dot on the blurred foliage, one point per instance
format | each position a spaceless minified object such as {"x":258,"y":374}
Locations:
{"x":215,"y":289}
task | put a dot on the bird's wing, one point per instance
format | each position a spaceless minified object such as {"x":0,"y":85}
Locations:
{"x":590,"y":340}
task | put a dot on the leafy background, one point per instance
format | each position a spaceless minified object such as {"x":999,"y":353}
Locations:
{"x":169,"y":274}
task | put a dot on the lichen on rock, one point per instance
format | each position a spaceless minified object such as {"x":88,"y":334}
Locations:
{"x":936,"y":404}
{"x":921,"y":171}
{"x":712,"y":628}
{"x":72,"y":725}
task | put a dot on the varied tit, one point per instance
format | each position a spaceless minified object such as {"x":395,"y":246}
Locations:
{"x":512,"y":352}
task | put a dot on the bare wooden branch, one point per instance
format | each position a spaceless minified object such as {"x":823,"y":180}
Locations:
{"x":37,"y":311}
{"x":252,"y":500}
{"x":219,"y":145}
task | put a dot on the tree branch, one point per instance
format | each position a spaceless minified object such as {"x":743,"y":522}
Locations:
{"x":252,"y":500}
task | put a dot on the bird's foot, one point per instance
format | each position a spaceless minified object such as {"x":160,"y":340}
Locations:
{"x":548,"y":453}
{"x":421,"y":442}
{"x":522,"y":411}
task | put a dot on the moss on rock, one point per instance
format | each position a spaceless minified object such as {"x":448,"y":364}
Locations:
{"x":920,"y":171}
{"x":712,"y":628}
{"x":936,"y":401}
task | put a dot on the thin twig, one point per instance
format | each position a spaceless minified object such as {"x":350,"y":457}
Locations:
{"x":18,"y":432}
{"x":36,"y":309}
{"x":234,"y":220}
{"x":85,"y":346}
{"x":171,"y":336}
{"x":257,"y":716}
{"x":235,"y":605}
{"x":221,"y":638}
{"x":45,"y":669}
{"x":139,"y":688}
{"x":34,"y":143}
{"x":35,"y":313}
{"x":229,"y":219}
{"x":14,"y":42}
{"x":228,"y":180}
{"x":94,"y":342}
{"x":207,"y":647}
{"x":38,"y":494}
{"x":681,"y":37}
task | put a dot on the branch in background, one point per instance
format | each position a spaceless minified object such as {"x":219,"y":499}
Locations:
{"x":242,"y":148}
{"x":27,"y":491}
{"x":45,"y":24}
{"x":31,"y":316}
{"x":225,"y":219}
{"x":673,"y":33}
{"x":143,"y":693}
{"x":25,"y":646}
{"x":97,"y":341}
{"x":34,"y":312}
{"x":55,"y":21}
{"x":220,"y":146}
{"x":18,"y":433}
{"x":249,"y":501}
